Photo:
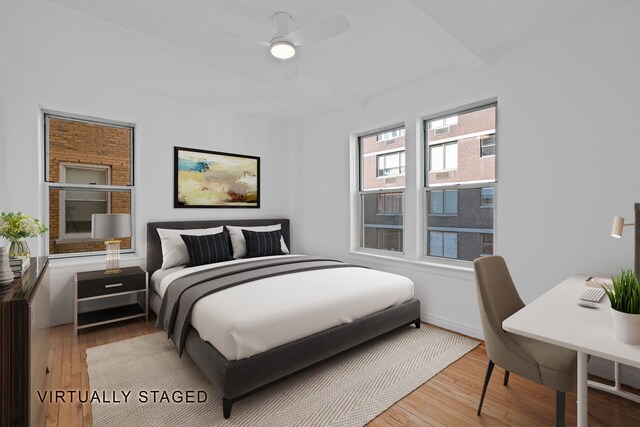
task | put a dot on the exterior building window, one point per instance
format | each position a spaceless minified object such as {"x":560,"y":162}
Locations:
{"x":460,"y":180}
{"x":488,"y":146}
{"x":443,"y":122}
{"x":391,"y":164}
{"x":76,"y":207}
{"x":443,"y":244}
{"x":382,"y":191}
{"x":88,"y":170}
{"x":443,"y":202}
{"x":390,"y":204}
{"x":443,"y":157}
{"x":486,"y":197}
{"x":392,"y":134}
{"x":486,"y":244}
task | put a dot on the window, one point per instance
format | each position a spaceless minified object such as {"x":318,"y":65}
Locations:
{"x":488,"y":146}
{"x":396,"y":133}
{"x":391,"y":164}
{"x":486,"y":244}
{"x":443,"y":157}
{"x":381,"y":192}
{"x":76,"y":207}
{"x":486,"y":197}
{"x":443,"y":244}
{"x":457,"y":186}
{"x":89,"y":170}
{"x":390,"y":204}
{"x":443,"y":122}
{"x":443,"y":202}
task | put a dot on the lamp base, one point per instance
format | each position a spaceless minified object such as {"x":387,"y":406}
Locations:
{"x":113,"y":256}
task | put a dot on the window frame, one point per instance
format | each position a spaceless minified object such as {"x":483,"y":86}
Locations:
{"x":444,"y":146}
{"x":482,"y":244}
{"x":45,"y":115}
{"x":401,"y":167}
{"x":484,"y":138}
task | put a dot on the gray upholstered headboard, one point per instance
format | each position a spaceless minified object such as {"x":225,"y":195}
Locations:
{"x":154,"y":249}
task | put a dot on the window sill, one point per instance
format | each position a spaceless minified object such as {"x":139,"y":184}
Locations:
{"x":439,"y":268}
{"x":71,"y":240}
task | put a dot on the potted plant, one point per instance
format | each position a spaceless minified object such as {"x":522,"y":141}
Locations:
{"x":16,"y":227}
{"x":625,"y":307}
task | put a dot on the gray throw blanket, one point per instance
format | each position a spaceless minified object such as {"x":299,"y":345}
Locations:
{"x":177,"y":304}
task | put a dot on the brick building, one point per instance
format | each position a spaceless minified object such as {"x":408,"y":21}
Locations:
{"x":85,"y":153}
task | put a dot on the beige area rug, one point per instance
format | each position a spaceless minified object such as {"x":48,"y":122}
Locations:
{"x":349,"y":390}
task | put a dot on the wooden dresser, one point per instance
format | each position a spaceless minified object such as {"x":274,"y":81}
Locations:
{"x":24,"y":346}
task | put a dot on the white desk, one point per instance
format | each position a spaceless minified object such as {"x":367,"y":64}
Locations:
{"x":556,"y":318}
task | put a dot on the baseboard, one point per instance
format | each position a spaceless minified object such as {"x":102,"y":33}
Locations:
{"x":452,"y":326}
{"x":604,"y":368}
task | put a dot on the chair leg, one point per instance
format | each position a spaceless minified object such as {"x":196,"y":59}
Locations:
{"x":486,"y":383}
{"x":506,"y":378}
{"x":560,"y":398}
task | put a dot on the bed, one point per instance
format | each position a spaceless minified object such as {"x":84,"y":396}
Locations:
{"x":240,"y":366}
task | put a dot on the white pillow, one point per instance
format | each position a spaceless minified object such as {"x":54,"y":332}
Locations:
{"x":240,"y":245}
{"x":174,"y":251}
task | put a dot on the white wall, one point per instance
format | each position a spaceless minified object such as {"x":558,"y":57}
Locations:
{"x":40,"y":78}
{"x":568,"y":161}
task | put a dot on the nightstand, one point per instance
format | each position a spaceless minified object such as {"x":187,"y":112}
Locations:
{"x":97,"y":285}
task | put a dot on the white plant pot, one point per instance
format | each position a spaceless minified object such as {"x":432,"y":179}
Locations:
{"x":626,"y":327}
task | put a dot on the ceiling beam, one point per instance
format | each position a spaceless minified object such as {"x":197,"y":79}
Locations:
{"x":469,"y":57}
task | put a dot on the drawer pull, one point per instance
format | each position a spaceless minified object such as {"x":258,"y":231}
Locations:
{"x":115,"y":285}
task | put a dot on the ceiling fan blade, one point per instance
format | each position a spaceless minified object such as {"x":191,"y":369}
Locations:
{"x":238,"y":37}
{"x":319,"y":30}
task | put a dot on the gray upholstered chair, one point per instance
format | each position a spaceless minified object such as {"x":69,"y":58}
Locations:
{"x":540,"y":362}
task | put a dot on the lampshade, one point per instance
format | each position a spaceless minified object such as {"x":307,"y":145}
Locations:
{"x":283,"y":49}
{"x":110,"y":226}
{"x":618,"y":224}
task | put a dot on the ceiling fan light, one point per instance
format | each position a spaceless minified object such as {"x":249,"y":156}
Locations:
{"x":283,"y":49}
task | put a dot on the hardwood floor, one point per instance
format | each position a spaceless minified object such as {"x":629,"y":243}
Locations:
{"x":448,"y":399}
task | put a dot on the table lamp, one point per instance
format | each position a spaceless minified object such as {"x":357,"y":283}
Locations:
{"x":111,"y":227}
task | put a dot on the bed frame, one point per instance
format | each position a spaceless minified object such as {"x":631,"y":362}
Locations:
{"x":237,"y":379}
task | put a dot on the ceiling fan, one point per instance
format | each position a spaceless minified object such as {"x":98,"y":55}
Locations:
{"x":283,"y":44}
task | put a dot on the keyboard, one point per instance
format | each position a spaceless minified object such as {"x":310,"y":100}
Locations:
{"x":593,"y":295}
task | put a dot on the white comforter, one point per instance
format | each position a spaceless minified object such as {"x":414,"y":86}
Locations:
{"x":254,"y":317}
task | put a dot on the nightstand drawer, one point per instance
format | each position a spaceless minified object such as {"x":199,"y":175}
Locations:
{"x":99,"y":284}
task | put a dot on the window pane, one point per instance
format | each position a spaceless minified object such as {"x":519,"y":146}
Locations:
{"x":381,"y":164}
{"x":72,"y":141}
{"x":450,"y":241}
{"x":451,"y":156}
{"x":436,"y":203}
{"x":468,"y":223}
{"x":486,"y":244}
{"x":435,"y":243}
{"x":77,"y":175}
{"x":486,"y":197}
{"x":382,"y":221}
{"x":436,"y":158}
{"x":451,"y":201}
{"x":70,"y":218}
{"x":467,"y":160}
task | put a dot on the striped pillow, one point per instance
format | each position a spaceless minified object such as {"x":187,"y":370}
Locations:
{"x":207,"y":249}
{"x":263,"y":243}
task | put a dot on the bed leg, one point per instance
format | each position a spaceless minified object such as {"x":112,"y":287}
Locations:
{"x":226,"y":407}
{"x":417,"y":324}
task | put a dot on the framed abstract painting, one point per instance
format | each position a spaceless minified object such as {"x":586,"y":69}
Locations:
{"x":211,"y":179}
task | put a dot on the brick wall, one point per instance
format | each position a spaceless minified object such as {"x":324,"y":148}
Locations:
{"x":87,"y":144}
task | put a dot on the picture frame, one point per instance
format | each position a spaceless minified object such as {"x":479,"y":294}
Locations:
{"x":215,"y":179}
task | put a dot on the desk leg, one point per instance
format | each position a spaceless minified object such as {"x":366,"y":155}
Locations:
{"x":582,"y":390}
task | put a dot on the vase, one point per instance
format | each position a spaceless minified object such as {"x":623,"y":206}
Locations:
{"x":19,"y":249}
{"x":626,"y":327}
